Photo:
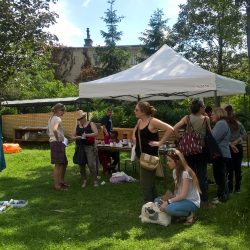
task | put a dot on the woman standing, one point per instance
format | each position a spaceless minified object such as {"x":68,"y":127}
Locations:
{"x":221,"y":133}
{"x":85,"y":151}
{"x":198,"y":162}
{"x":186,"y":199}
{"x":57,"y":147}
{"x":145,"y":136}
{"x":238,"y":135}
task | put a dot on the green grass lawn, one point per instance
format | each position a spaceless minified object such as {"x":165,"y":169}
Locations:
{"x":105,"y":217}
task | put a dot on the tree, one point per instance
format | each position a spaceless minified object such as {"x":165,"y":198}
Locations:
{"x":37,"y":81}
{"x":154,"y":37}
{"x":112,"y":59}
{"x":211,"y":33}
{"x":111,"y":19}
{"x":245,"y":4}
{"x":22,"y":34}
{"x":207,"y":31}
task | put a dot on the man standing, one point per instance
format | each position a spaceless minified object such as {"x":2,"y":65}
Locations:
{"x":107,"y":122}
{"x":107,"y":128}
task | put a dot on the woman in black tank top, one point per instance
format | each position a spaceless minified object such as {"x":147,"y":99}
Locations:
{"x":146,"y":137}
{"x":148,"y":127}
{"x":85,"y":151}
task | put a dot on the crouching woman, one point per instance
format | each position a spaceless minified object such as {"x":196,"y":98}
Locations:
{"x":186,"y":198}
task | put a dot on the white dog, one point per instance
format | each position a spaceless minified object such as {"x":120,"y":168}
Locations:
{"x":150,"y":213}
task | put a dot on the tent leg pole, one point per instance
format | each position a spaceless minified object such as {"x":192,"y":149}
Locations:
{"x":216,"y":99}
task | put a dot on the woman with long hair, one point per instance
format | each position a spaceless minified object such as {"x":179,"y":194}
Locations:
{"x":146,"y":138}
{"x":221,"y":133}
{"x":238,"y":135}
{"x":85,"y":151}
{"x":198,"y":162}
{"x":57,"y":147}
{"x":186,"y":198}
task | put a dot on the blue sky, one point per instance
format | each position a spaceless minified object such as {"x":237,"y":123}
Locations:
{"x":75,"y":16}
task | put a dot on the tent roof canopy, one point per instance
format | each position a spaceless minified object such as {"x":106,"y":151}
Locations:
{"x":42,"y":102}
{"x":166,"y":75}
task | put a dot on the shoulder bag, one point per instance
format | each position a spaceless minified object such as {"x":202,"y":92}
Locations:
{"x":147,"y":161}
{"x":191,"y":141}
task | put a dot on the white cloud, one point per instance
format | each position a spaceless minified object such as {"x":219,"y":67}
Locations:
{"x":86,"y":3}
{"x":67,"y":33}
{"x":172,"y":10}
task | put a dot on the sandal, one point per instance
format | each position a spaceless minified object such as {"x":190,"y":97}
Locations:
{"x":60,"y":188}
{"x":64,"y":184}
{"x":190,"y":219}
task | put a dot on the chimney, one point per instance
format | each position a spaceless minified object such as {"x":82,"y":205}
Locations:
{"x":88,"y":41}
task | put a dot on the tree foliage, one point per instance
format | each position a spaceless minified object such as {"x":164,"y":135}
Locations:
{"x":157,"y":33}
{"x":112,"y":58}
{"x":37,"y":81}
{"x":111,"y":19}
{"x":210,"y":33}
{"x":22,"y":35}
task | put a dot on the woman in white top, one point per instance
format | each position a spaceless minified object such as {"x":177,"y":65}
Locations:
{"x":57,"y":147}
{"x":186,"y":198}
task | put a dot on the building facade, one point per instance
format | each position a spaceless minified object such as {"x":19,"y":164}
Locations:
{"x":69,"y":61}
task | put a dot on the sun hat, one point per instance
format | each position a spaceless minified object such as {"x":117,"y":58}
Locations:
{"x":80,"y":114}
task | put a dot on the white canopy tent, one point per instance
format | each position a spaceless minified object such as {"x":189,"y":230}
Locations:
{"x":166,"y":75}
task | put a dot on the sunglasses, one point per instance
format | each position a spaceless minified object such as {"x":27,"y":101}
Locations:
{"x":172,"y":154}
{"x":81,"y":118}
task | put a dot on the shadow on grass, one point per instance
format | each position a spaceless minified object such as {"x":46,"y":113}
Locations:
{"x":99,"y":217}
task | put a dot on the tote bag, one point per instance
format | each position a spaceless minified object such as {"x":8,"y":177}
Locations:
{"x":191,"y":141}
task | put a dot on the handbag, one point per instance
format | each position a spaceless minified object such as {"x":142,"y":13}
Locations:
{"x":91,"y":140}
{"x":212,"y":147}
{"x":191,"y":141}
{"x":147,"y":161}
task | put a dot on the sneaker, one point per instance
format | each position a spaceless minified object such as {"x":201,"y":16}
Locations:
{"x":18,"y":203}
{"x":96,"y":184}
{"x":237,"y":191}
{"x":84,"y":184}
{"x":3,"y":209}
{"x":216,"y":201}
